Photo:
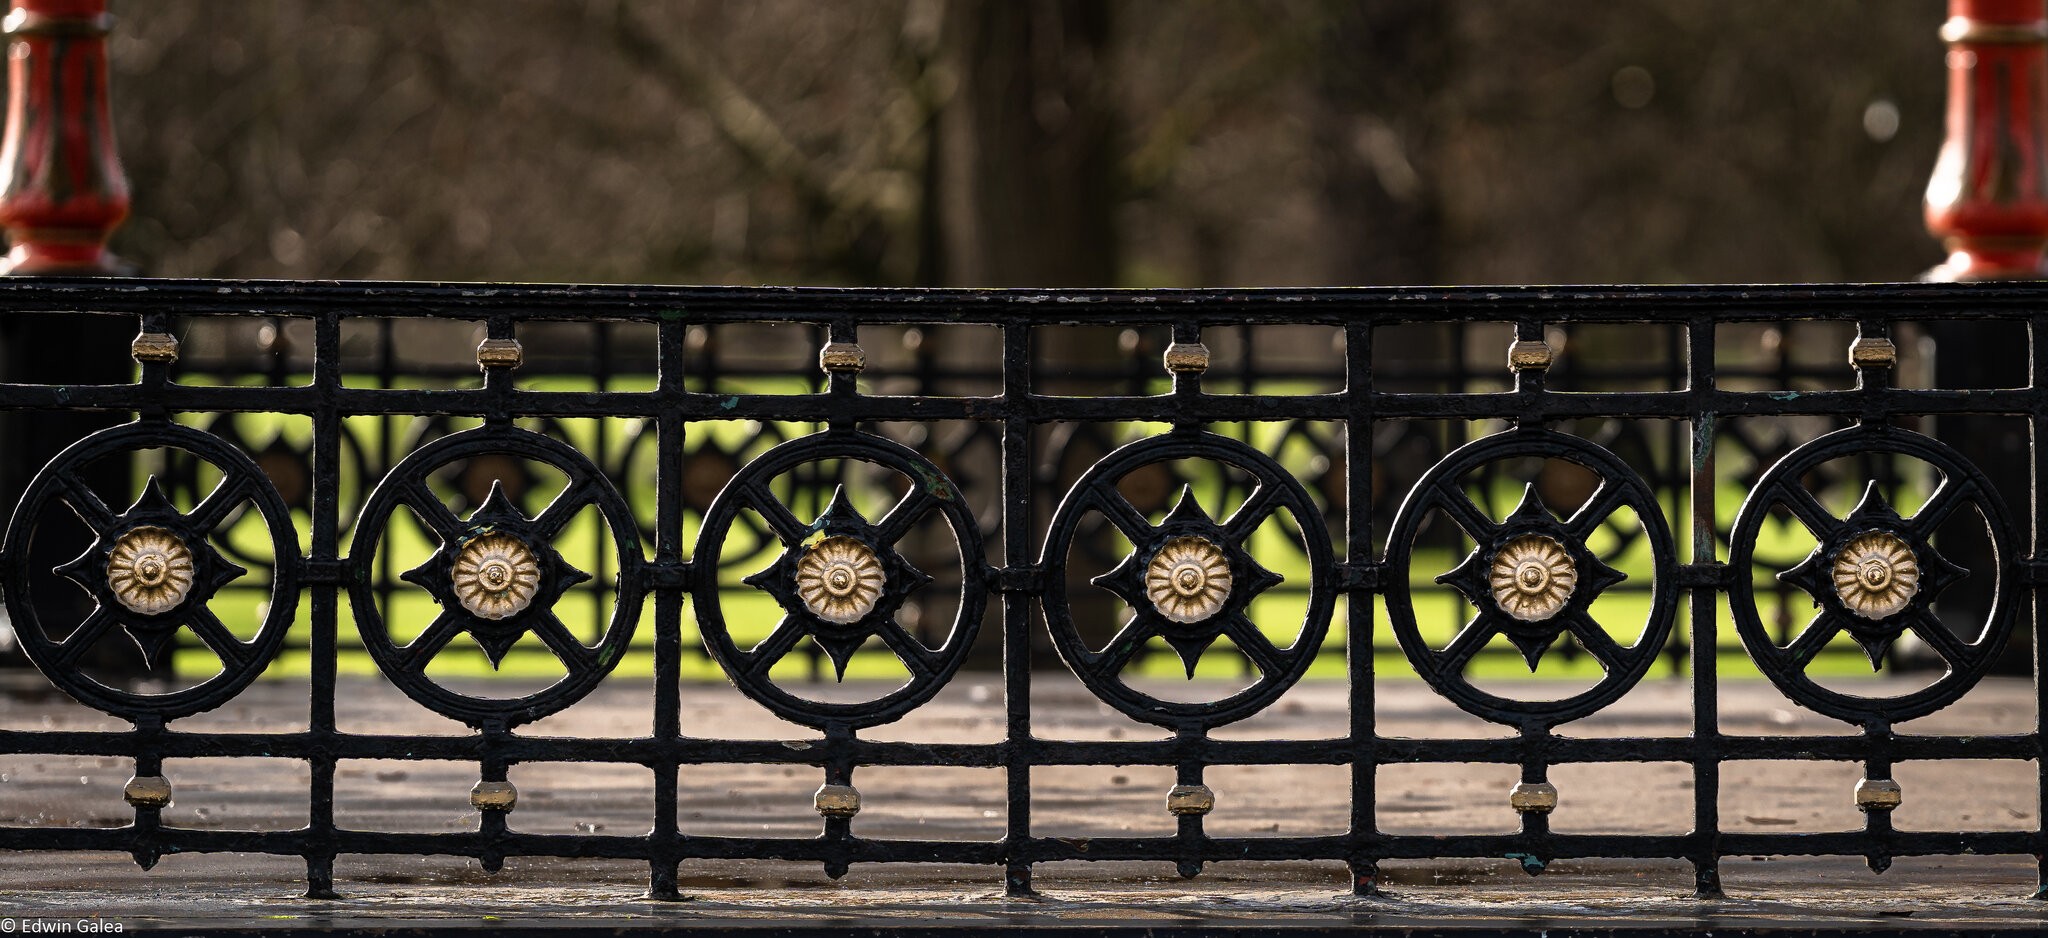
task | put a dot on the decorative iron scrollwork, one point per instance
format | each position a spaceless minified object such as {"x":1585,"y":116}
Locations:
{"x":495,"y":574}
{"x":1873,"y":575}
{"x":1188,"y":579}
{"x":839,"y":578}
{"x":1532,"y":577}
{"x":151,"y":570}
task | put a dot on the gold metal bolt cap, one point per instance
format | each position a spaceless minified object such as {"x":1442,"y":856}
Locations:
{"x":1878,"y":794}
{"x":495,"y":576}
{"x":840,"y":579}
{"x":1533,"y":577}
{"x":1190,"y":799}
{"x":842,"y":358}
{"x":147,"y":791}
{"x":150,"y":570}
{"x":154,"y":348}
{"x":1873,"y":353}
{"x":1533,"y":797}
{"x":499,"y":353}
{"x":837,"y":801}
{"x":1525,"y":355}
{"x":493,"y":796}
{"x":1876,"y":575}
{"x":1188,"y":580}
{"x":1187,"y":358}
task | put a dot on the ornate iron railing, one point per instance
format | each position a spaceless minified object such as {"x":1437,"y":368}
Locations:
{"x":845,"y":537}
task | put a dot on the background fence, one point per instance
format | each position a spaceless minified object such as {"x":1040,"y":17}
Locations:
{"x":951,"y":360}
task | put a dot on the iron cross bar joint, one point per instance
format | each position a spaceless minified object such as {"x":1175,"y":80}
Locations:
{"x":2034,"y":571}
{"x":1022,"y":578}
{"x":1710,"y":575}
{"x":322,"y":571}
{"x":670,"y":576}
{"x":1364,"y":576}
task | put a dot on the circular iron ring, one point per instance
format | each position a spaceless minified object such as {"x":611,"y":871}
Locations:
{"x":1963,"y":484}
{"x":1279,"y":668}
{"x":406,"y":484}
{"x":930,"y":490}
{"x":241,"y":481}
{"x":1620,"y":486}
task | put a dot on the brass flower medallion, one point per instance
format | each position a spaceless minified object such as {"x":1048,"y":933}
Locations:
{"x":1533,"y":577}
{"x":496,"y":576}
{"x":1188,"y":580}
{"x":840,"y":579}
{"x":150,"y":570}
{"x":1876,"y":575}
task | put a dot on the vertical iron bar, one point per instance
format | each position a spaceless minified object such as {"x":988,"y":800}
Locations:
{"x":1702,"y":626}
{"x":147,"y":843}
{"x":1189,"y":836}
{"x":665,"y":847}
{"x":2037,"y":543}
{"x":1675,"y":476}
{"x":387,"y":446}
{"x":491,"y":824}
{"x":326,"y":551}
{"x":599,"y":453}
{"x":1018,"y":525}
{"x":1358,"y":605}
{"x":1877,"y":825}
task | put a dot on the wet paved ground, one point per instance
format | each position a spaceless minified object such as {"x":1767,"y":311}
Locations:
{"x":967,"y":804}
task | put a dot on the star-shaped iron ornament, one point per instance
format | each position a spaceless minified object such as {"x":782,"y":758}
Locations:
{"x":842,"y":531}
{"x":497,"y":516}
{"x":1873,"y":527}
{"x":151,"y":515}
{"x":1578,"y":579}
{"x":1206,"y":604}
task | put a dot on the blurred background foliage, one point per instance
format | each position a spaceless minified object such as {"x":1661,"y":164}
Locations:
{"x":1030,"y":142}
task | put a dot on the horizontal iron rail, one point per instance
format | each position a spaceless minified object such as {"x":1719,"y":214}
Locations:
{"x":1202,"y":308}
{"x":708,"y":751}
{"x":1550,"y":847}
{"x":1164,"y":408}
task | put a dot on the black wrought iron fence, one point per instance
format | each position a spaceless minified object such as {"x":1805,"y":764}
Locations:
{"x":299,"y":470}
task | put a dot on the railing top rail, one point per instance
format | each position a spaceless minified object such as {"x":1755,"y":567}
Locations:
{"x":1388,"y":305}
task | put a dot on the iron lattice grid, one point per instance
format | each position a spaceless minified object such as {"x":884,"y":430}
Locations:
{"x":1022,"y":589}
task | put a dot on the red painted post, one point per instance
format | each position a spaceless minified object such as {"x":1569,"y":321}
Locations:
{"x":1988,"y":198}
{"x":1988,"y":203}
{"x":65,"y":191}
{"x":63,"y":194}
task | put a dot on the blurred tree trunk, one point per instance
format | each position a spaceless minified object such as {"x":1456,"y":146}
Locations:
{"x":1030,"y":185}
{"x":1379,"y":80}
{"x":1380,"y":73}
{"x":1030,"y":191}
{"x":1381,"y":67}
